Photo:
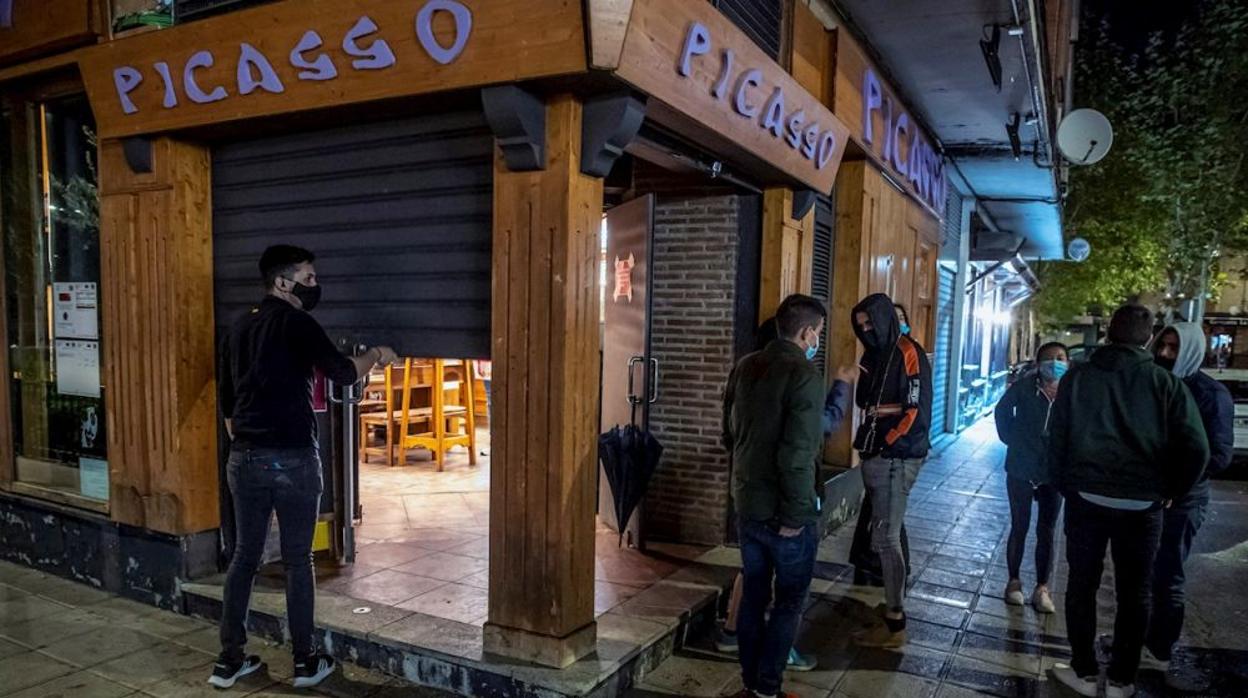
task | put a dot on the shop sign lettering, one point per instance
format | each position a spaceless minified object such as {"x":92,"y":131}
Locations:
{"x":254,"y":69}
{"x":919,"y":164}
{"x":739,"y":88}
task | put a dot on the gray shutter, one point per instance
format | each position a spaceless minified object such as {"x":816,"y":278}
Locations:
{"x":821,"y":269}
{"x":398,"y":214}
{"x":761,"y":20}
{"x":944,"y":345}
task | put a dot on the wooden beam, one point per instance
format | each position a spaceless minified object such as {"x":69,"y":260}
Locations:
{"x":608,"y":22}
{"x":787,"y":253}
{"x":545,"y":360}
{"x":46,"y":26}
{"x":159,"y":351}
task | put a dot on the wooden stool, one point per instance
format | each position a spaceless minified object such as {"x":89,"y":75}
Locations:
{"x":451,"y":423}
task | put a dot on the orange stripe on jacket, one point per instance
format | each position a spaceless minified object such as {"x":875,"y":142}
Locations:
{"x":911,"y":357}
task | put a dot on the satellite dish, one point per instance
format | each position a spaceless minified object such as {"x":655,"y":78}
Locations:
{"x":1078,"y":249}
{"x":1084,"y":136}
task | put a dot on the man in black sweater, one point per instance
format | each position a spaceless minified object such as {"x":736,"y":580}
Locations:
{"x":1125,"y":438}
{"x":264,"y":386}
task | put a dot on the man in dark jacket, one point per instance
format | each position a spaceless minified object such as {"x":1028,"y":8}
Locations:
{"x":1124,"y":438}
{"x":773,"y":425}
{"x":1180,"y":348}
{"x":1022,"y":417}
{"x":895,"y":391}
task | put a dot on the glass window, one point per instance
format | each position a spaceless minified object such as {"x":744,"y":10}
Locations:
{"x":49,"y":216}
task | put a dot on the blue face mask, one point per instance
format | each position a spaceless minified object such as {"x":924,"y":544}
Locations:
{"x":811,"y":351}
{"x":1053,"y":370}
{"x":905,"y":328}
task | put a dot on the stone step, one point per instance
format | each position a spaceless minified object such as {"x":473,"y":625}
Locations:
{"x":633,"y":638}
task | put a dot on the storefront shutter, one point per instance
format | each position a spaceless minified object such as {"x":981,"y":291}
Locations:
{"x":759,"y":19}
{"x":944,"y":346}
{"x":398,"y":214}
{"x":821,"y":269}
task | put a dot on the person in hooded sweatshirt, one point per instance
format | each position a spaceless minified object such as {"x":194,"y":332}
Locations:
{"x":1180,"y":348}
{"x":895,"y":394}
{"x":1124,"y":438}
{"x":1022,"y":417}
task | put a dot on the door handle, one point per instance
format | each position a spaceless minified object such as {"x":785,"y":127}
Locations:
{"x":633,"y":399}
{"x":654,"y":380}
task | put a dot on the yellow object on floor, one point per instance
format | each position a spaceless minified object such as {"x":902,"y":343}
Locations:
{"x":320,"y":539}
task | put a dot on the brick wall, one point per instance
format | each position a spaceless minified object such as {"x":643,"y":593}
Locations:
{"x":694,"y":273}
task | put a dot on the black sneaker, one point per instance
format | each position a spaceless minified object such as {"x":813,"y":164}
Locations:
{"x":226,"y":674}
{"x":313,"y":670}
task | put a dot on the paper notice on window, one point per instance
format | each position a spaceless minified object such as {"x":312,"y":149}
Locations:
{"x":77,"y":368}
{"x":76,"y":306}
{"x":93,"y":478}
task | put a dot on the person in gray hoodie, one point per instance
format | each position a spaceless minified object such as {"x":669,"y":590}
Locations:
{"x":1181,"y":349}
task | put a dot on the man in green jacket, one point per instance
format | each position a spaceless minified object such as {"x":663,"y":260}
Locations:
{"x":1125,"y":438}
{"x":773,"y":426}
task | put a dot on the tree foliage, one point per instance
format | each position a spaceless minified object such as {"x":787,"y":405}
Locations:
{"x":1171,"y":199}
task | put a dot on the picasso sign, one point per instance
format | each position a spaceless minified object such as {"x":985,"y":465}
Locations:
{"x":739,"y":88}
{"x":712,"y":84}
{"x":903,"y":146}
{"x":306,"y":55}
{"x":254,"y":69}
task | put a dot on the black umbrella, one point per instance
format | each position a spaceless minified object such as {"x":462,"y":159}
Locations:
{"x":629,"y":455}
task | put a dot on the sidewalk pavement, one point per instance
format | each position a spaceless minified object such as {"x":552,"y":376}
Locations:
{"x":964,"y":640}
{"x":66,"y":640}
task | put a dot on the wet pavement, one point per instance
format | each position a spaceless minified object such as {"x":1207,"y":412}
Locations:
{"x":61,"y":639}
{"x":964,"y":639}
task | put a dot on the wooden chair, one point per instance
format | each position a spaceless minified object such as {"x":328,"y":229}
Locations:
{"x":449,"y":423}
{"x":373,"y":417}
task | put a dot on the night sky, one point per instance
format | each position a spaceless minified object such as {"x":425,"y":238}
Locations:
{"x":1131,"y":22}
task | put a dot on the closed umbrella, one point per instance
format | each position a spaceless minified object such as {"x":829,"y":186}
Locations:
{"x":629,"y":456}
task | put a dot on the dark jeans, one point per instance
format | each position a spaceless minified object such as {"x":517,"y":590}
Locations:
{"x":1132,"y":537}
{"x":764,"y":644}
{"x":1021,"y":494}
{"x":1181,"y":522}
{"x":262,"y":481}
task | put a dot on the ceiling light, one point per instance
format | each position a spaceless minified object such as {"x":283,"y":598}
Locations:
{"x":990,"y":48}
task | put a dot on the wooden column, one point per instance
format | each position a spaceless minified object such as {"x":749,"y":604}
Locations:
{"x":159,"y":353}
{"x":788,"y":251}
{"x":546,"y":383}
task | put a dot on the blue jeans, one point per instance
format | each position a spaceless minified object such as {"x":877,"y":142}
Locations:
{"x":262,"y":481}
{"x":1180,"y":524}
{"x":768,"y":559}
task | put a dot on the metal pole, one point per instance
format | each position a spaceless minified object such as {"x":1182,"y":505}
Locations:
{"x":348,"y":472}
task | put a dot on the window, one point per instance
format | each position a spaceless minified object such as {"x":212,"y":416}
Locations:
{"x":49,"y":218}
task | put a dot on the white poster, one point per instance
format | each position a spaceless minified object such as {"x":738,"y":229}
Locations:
{"x":93,"y":478}
{"x":76,"y":307}
{"x":77,"y":368}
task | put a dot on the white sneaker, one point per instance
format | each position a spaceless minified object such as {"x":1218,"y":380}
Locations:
{"x":1117,"y":690}
{"x":1014,"y":593}
{"x":1042,"y":601}
{"x":1084,"y":686}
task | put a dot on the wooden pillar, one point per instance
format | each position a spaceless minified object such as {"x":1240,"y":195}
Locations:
{"x":788,"y":251}
{"x":546,"y":383}
{"x":159,"y":351}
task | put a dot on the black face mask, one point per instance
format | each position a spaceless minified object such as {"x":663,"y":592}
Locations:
{"x":1165,"y":363}
{"x":868,"y":338}
{"x":308,"y":296}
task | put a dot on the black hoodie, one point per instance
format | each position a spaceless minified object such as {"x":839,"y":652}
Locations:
{"x":897,"y":378}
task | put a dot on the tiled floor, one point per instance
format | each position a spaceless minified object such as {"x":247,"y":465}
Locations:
{"x":424,"y":542}
{"x":965,"y":640}
{"x":61,"y":639}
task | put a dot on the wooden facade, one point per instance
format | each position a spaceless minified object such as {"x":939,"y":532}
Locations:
{"x":156,"y":246}
{"x":159,"y":361}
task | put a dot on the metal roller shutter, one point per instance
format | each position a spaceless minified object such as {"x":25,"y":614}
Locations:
{"x":821,"y":269}
{"x":759,"y":19}
{"x":944,"y":346}
{"x":398,"y":214}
